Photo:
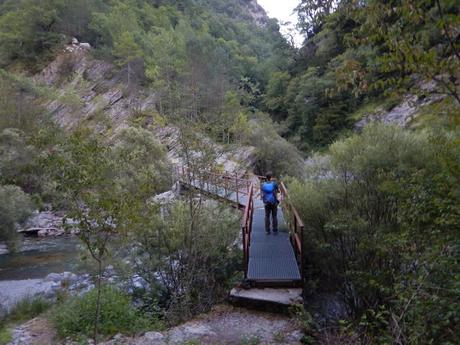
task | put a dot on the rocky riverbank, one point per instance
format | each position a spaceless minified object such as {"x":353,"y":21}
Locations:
{"x":49,"y":223}
{"x":12,"y":291}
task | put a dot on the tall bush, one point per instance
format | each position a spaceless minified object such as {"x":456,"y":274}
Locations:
{"x":15,"y":207}
{"x":381,"y":228}
{"x":190,"y":250}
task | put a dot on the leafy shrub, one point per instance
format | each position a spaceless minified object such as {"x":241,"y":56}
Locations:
{"x":76,"y":317}
{"x":15,"y":207}
{"x":382,"y":227}
{"x":202,"y":256}
{"x":273,"y":153}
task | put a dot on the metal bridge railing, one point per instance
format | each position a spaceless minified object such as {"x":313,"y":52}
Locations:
{"x":242,"y":189}
{"x":295,"y":224}
{"x":246,"y":228}
{"x":222,"y":184}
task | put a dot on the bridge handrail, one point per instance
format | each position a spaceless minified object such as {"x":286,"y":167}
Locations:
{"x":230,"y":182}
{"x":246,"y":228}
{"x":233,"y":183}
{"x":295,"y":224}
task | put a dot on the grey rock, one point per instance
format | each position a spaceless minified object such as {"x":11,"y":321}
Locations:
{"x":151,"y":338}
{"x":139,"y":282}
{"x":3,"y":249}
{"x":165,"y":198}
{"x":53,"y":277}
{"x":117,"y":336}
{"x":69,"y":277}
{"x":11,"y":291}
{"x":402,"y":114}
{"x":154,"y":336}
{"x":46,"y":223}
{"x":55,"y":285}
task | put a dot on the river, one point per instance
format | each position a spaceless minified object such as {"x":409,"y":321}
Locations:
{"x":37,"y":257}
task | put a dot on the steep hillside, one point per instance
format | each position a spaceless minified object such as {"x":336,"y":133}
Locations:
{"x":243,"y":9}
{"x":365,"y":59}
{"x":91,"y":129}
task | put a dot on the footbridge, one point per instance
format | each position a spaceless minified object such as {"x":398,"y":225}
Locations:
{"x":269,"y":260}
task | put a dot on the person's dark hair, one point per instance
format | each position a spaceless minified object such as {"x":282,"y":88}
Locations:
{"x":268,"y":176}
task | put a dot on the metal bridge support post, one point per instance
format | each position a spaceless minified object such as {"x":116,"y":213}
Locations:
{"x":302,"y":272}
{"x":236,"y":183}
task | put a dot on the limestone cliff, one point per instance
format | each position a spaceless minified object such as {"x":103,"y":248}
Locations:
{"x":255,"y":11}
{"x":95,"y":94}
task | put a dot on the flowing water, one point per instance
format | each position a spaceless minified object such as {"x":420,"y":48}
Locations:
{"x":37,"y":257}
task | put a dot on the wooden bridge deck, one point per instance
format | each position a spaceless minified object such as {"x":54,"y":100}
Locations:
{"x":271,"y":258}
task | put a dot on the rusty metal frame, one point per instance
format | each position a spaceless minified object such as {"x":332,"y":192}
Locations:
{"x":296,"y":227}
{"x":246,"y":228}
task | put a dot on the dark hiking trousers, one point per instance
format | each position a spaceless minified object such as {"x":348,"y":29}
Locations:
{"x":272,"y":210}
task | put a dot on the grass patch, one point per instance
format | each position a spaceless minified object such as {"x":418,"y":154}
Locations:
{"x":374,"y":106}
{"x":5,"y":335}
{"x":27,"y":309}
{"x":23,"y":310}
{"x":442,"y":114}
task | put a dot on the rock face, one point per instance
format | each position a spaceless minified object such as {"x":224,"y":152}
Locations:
{"x":11,"y":291}
{"x":255,"y":11}
{"x":3,"y":249}
{"x":96,"y":94}
{"x":93,"y":90}
{"x":238,"y":160}
{"x":402,"y":114}
{"x":48,"y":223}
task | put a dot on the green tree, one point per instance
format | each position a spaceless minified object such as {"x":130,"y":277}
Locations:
{"x":164,"y":62}
{"x":126,"y":50}
{"x":142,"y":169}
{"x":415,"y":38}
{"x":26,"y":31}
{"x":15,"y":207}
{"x":313,"y":13}
{"x":275,"y":96}
{"x":107,"y":187}
{"x":17,"y":157}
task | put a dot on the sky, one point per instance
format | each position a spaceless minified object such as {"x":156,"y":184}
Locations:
{"x":282,"y":10}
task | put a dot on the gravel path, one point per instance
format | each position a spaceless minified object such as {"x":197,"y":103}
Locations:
{"x":224,"y":325}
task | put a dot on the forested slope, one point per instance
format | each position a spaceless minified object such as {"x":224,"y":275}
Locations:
{"x":381,"y":201}
{"x":78,"y":132}
{"x":361,"y":56}
{"x":79,"y":124}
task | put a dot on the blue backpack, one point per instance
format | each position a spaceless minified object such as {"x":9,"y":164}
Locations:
{"x":268,"y":191}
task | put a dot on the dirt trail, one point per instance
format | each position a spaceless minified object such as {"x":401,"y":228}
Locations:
{"x":37,"y":331}
{"x":224,"y":325}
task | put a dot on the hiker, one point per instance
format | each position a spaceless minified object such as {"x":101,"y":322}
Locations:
{"x":268,"y":191}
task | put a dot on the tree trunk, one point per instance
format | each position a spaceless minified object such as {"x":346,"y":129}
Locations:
{"x":98,"y":301}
